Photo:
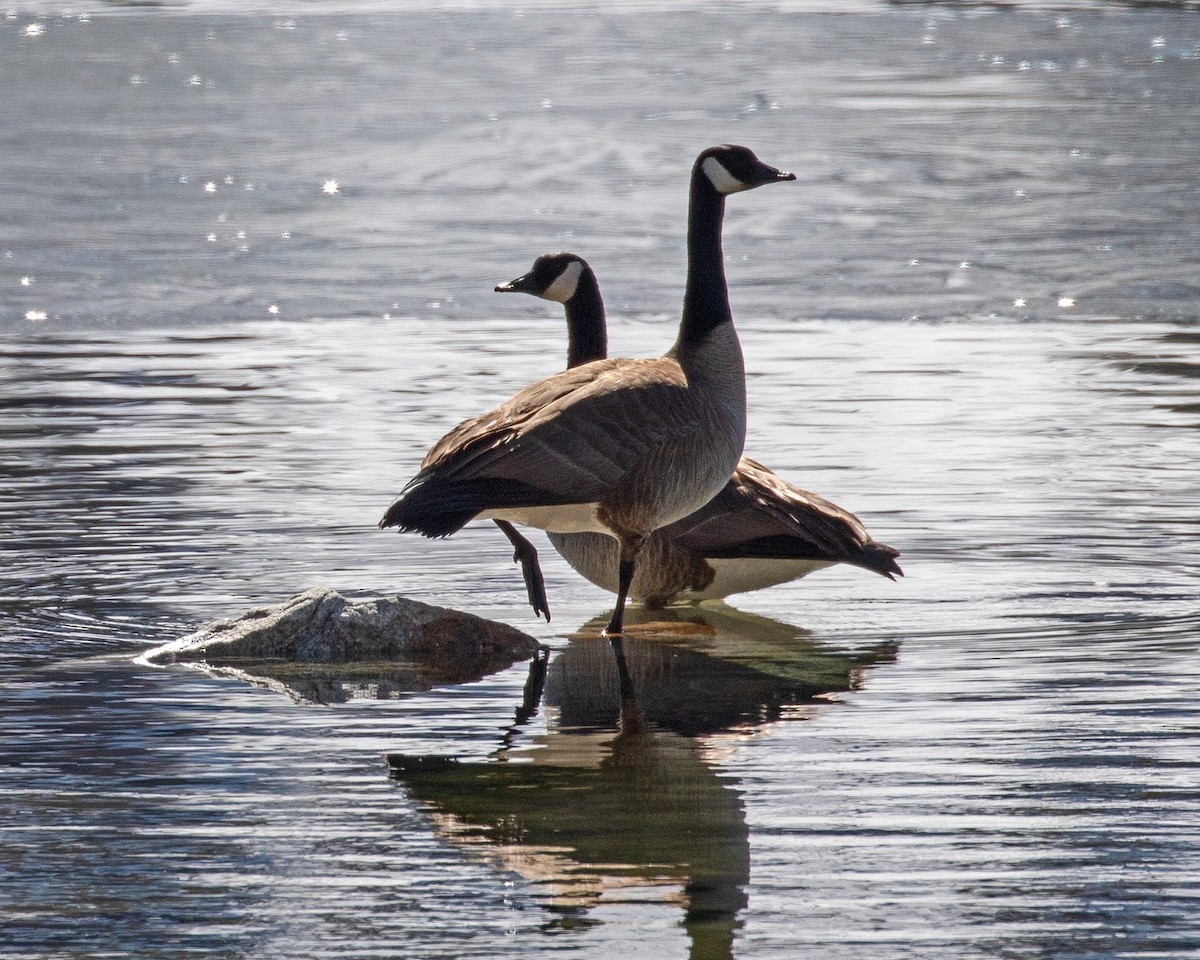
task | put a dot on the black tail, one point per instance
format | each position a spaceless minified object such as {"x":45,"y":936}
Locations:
{"x":880,"y":558}
{"x":876,"y":557}
{"x":430,"y":508}
{"x":436,"y":507}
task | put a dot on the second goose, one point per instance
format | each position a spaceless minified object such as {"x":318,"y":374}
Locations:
{"x":757,"y":532}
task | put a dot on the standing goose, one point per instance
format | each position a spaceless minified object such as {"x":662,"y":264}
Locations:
{"x":570,"y":281}
{"x":757,"y":532}
{"x":618,"y":447}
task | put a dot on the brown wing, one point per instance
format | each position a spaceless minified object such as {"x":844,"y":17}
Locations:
{"x":576,"y":433}
{"x":759,"y":514}
{"x":571,"y":438}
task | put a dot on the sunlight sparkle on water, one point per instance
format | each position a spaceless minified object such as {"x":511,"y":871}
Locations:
{"x":170,"y":457}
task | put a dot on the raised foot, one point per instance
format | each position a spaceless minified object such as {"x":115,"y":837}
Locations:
{"x":525,"y":553}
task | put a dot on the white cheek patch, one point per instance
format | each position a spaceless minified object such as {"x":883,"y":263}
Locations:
{"x":719,"y":177}
{"x":564,"y":285}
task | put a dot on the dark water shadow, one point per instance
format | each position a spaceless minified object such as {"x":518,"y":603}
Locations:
{"x":1166,"y":372}
{"x":329,"y":683}
{"x":701,"y":670}
{"x":618,"y":801}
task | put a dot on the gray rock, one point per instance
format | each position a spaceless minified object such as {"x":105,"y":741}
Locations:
{"x":320,"y":647}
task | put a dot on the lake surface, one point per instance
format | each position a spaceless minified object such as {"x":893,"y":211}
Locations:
{"x":247,"y":265}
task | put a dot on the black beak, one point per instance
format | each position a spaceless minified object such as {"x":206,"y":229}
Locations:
{"x":769,"y":174}
{"x":522,"y":284}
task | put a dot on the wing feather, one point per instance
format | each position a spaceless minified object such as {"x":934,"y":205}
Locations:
{"x":577,"y":433}
{"x":758,"y":513}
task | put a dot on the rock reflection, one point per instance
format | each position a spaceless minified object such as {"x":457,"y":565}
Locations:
{"x":329,"y":683}
{"x":618,"y":802}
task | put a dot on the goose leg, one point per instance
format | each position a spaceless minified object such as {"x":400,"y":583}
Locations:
{"x":629,"y":551}
{"x":624,"y":579}
{"x":526,"y":555}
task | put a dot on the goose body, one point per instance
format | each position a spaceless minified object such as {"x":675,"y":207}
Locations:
{"x":758,"y":531}
{"x":616,"y":447}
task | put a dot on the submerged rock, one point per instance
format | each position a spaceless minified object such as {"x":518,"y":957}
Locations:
{"x":320,"y":647}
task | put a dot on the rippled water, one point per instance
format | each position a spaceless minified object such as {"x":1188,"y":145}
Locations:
{"x":973,"y":322}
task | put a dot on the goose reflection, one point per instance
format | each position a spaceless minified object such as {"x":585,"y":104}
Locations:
{"x":702,"y":669}
{"x":617,"y":800}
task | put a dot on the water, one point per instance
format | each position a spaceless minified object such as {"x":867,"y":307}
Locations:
{"x":973,"y":322}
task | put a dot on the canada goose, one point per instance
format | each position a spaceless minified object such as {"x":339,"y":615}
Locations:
{"x":618,"y":447}
{"x":757,"y":532}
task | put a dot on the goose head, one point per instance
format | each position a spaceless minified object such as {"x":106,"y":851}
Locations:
{"x":729,"y":168}
{"x":567,"y":279}
{"x":554,"y":276}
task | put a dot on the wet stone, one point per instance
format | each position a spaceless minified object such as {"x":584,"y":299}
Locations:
{"x":321,"y":647}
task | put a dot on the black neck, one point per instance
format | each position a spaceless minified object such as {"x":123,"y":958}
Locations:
{"x":586,"y":337}
{"x":706,"y":299}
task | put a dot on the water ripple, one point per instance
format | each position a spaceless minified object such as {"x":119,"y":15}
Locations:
{"x":981,"y":343}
